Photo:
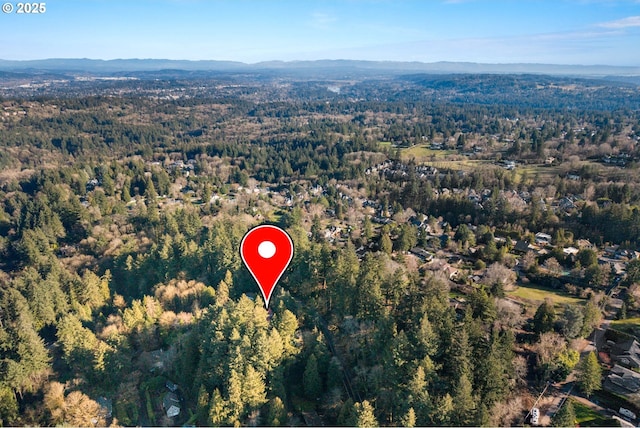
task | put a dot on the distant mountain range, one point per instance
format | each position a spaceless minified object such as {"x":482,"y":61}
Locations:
{"x":119,"y":66}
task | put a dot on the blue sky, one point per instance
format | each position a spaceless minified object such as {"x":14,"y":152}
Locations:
{"x":553,"y":32}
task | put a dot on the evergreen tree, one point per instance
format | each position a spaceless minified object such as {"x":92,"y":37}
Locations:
{"x":409,"y":419}
{"x":126,"y":193}
{"x":418,"y":395}
{"x":253,"y":389}
{"x":202,"y":409}
{"x":364,"y":415}
{"x":572,"y":321}
{"x":589,"y":374}
{"x":347,"y":415}
{"x":464,"y":404}
{"x":218,"y":410}
{"x":24,"y":357}
{"x":277,"y":414}
{"x":367,"y":229}
{"x":386,"y":246}
{"x":408,"y":237}
{"x":443,"y":411}
{"x":236,"y":403}
{"x":591,"y":318}
{"x":565,"y":416}
{"x":311,"y":381}
{"x":544,"y":318}
{"x":8,"y":406}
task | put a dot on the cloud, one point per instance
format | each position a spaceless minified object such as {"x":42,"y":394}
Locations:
{"x":322,"y":21}
{"x":631,"y":21}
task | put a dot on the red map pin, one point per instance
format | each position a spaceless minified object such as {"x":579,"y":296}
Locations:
{"x":266,"y":251}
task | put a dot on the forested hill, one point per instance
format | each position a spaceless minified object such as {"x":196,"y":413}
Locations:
{"x":531,"y":91}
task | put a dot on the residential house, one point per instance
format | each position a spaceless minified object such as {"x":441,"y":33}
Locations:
{"x":422,"y":254}
{"x":523,"y":247}
{"x":626,"y":381}
{"x":570,"y":252}
{"x":585,"y":244}
{"x":543,"y":238}
{"x":171,"y":404}
{"x":626,"y":353}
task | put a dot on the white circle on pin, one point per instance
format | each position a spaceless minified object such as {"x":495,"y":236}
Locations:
{"x":266,"y":249}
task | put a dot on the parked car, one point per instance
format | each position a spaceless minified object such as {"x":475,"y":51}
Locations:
{"x":627,"y":413}
{"x":535,"y":416}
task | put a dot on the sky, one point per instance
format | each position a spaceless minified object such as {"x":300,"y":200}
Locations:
{"x":587,"y":32}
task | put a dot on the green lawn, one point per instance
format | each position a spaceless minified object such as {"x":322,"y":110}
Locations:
{"x":586,"y":417}
{"x":424,"y":153}
{"x":535,"y":295}
{"x":629,"y":326}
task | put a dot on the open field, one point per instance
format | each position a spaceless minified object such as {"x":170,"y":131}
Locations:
{"x":535,"y":295}
{"x":532,"y":171}
{"x":423,"y":154}
{"x":452,"y":159}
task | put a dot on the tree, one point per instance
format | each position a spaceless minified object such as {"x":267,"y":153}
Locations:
{"x":544,"y":318}
{"x":218,"y":410}
{"x":529,"y":261}
{"x":8,"y":406}
{"x":408,"y":237}
{"x":253,"y":389}
{"x":595,"y":276}
{"x":464,"y":403}
{"x":591,"y":318}
{"x":24,"y":359}
{"x":409,"y":419}
{"x":277,"y":413}
{"x":54,"y":402}
{"x":347,"y":415}
{"x":565,"y":416}
{"x":367,"y":229}
{"x":311,"y":381}
{"x":464,"y":235}
{"x":365,"y":416}
{"x":499,"y":278}
{"x":589,"y":374}
{"x":572,"y":321}
{"x":553,"y":266}
{"x":443,"y":411}
{"x":587,"y":257}
{"x":80,"y":410}
{"x":235,"y":402}
{"x":633,"y":271}
{"x":418,"y":394}
{"x":202,"y":408}
{"x":126,"y":194}
{"x":386,"y":246}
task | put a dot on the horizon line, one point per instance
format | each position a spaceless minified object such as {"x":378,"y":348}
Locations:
{"x":319,"y":60}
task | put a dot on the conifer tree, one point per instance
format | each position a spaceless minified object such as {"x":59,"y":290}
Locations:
{"x":365,"y":417}
{"x":565,"y":416}
{"x":589,"y":374}
{"x":311,"y":379}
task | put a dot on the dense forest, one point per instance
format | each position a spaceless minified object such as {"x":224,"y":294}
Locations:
{"x":122,"y":207}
